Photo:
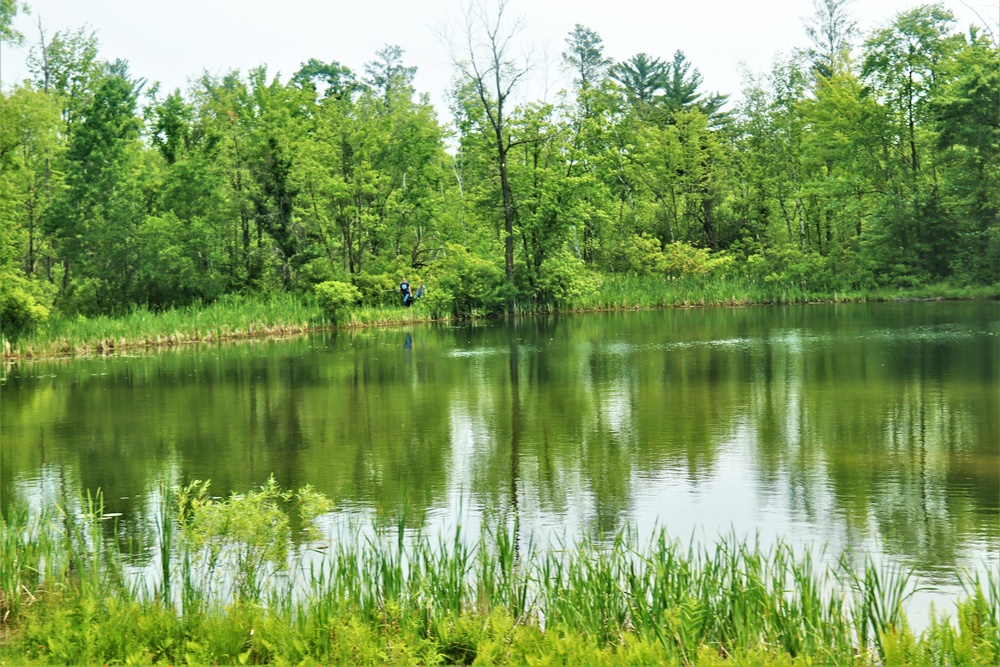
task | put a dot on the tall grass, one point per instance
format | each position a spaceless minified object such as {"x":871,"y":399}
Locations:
{"x":623,"y":291}
{"x":235,"y":317}
{"x":254,"y":590}
{"x":25,"y":551}
{"x":229,"y":318}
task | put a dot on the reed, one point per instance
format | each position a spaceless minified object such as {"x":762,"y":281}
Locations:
{"x":624,"y":292}
{"x":26,"y":549}
{"x":229,"y":318}
{"x":253,"y":589}
{"x":233,"y":317}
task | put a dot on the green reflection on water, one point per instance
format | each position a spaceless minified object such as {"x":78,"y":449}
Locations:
{"x":853,"y":423}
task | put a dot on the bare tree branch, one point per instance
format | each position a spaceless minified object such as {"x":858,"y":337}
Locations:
{"x":488,"y":65}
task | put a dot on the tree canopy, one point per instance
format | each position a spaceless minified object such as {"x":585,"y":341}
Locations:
{"x":860,"y":161}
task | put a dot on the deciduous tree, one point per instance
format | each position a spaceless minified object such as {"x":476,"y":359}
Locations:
{"x":488,"y":64}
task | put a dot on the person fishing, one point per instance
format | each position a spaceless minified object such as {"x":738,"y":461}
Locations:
{"x":404,"y":287}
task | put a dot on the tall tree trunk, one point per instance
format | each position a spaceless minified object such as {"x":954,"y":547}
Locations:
{"x":508,"y":220}
{"x":487,"y":66}
{"x":914,"y":161}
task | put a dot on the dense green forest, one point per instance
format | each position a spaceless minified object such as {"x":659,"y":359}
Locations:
{"x":859,"y":161}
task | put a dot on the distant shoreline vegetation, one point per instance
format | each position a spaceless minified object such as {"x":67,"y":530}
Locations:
{"x":863,"y":166}
{"x":232,"y":319}
{"x":251,"y":579}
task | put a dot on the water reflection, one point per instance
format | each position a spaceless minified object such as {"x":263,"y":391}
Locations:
{"x":872,"y":427}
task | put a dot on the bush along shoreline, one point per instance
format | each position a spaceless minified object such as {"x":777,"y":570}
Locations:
{"x":253,"y":579}
{"x":341,"y":305}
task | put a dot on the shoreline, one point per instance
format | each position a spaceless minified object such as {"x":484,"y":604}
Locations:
{"x":191,"y":332}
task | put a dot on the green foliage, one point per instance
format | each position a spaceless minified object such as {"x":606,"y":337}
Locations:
{"x":313,"y":271}
{"x":24,"y":304}
{"x":789,"y":267}
{"x":565,"y":280}
{"x":8,"y":10}
{"x":96,"y":225}
{"x":969,"y":137}
{"x":177,"y":265}
{"x":681,"y":259}
{"x":474,"y":283}
{"x":246,"y":536}
{"x":380,"y":289}
{"x":841,"y":175}
{"x":438,"y":301}
{"x":584,"y":57}
{"x":644,"y":255}
{"x":82,"y":297}
{"x":336,"y":298}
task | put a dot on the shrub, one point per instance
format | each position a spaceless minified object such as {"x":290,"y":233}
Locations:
{"x":83,"y":296}
{"x":644,"y":255}
{"x":314,"y":271}
{"x":789,"y":267}
{"x":473,"y":281}
{"x":336,"y":298}
{"x":438,"y":301}
{"x":682,"y":259}
{"x":565,"y":279}
{"x":377,"y":288}
{"x":22,"y":303}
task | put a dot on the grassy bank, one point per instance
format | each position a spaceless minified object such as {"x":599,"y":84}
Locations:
{"x":251,"y":580}
{"x":234,"y":318}
{"x":626,"y":292}
{"x":229,"y":318}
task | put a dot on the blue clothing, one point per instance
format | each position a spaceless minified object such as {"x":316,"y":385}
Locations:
{"x":404,"y":287}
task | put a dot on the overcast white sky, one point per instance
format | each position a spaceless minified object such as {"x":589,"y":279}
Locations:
{"x":171,"y":42}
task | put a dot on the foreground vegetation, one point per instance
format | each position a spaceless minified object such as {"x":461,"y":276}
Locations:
{"x":251,"y":580}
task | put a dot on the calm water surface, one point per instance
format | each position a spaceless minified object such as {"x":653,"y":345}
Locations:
{"x":871,"y":427}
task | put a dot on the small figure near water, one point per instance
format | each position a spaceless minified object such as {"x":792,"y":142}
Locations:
{"x":409,"y":296}
{"x":404,"y":287}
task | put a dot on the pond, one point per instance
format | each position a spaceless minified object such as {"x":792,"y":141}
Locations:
{"x":874,"y":428}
